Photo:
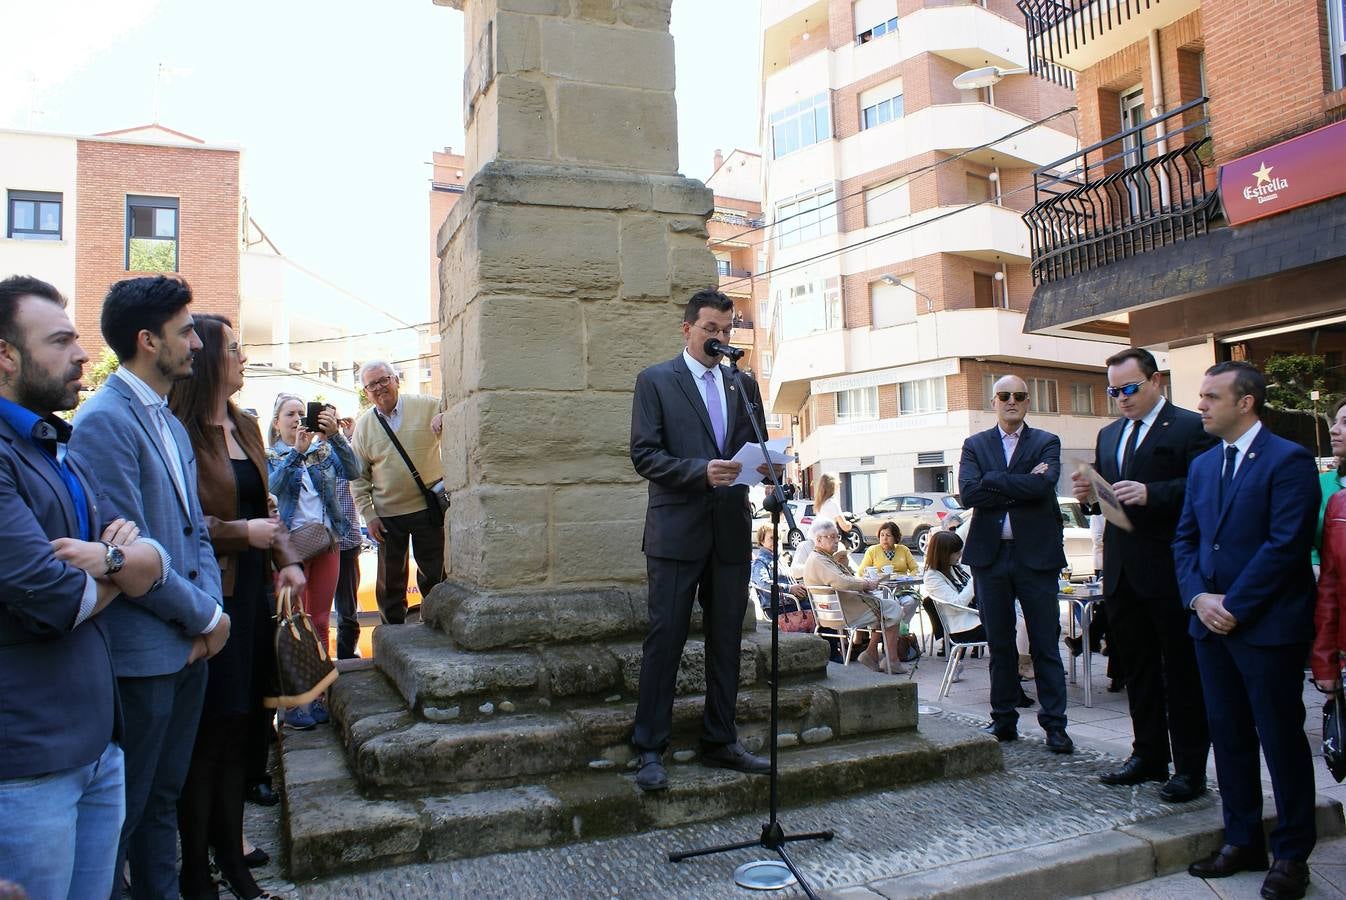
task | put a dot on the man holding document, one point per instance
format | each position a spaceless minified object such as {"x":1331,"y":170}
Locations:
{"x":689,"y":418}
{"x":1144,"y":457}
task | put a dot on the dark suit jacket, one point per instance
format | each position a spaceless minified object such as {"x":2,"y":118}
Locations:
{"x":1145,"y":554}
{"x":671,"y":444}
{"x":995,"y":490}
{"x":1253,"y":548}
{"x":57,"y":689}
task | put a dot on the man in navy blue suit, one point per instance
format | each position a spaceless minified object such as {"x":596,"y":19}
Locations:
{"x":62,"y":791}
{"x":1242,"y":557}
{"x":1008,"y":475}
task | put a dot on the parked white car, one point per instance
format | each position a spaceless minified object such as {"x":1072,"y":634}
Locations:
{"x":1077,"y":537}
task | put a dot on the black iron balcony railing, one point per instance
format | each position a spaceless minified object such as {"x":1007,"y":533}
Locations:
{"x":736,"y":219}
{"x":1147,"y":187}
{"x":1056,"y":27}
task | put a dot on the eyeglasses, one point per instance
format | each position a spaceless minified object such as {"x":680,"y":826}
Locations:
{"x":235,"y":347}
{"x":1019,"y":396}
{"x":1126,"y":390}
{"x":726,"y":333}
{"x":826,"y":535}
{"x":379,"y":384}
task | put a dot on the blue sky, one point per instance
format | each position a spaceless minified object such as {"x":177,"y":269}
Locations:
{"x":337,"y":105}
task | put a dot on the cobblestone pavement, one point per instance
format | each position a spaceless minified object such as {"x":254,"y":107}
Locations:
{"x":1040,"y":798}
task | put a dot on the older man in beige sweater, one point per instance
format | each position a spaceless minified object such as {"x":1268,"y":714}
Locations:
{"x":395,"y":510}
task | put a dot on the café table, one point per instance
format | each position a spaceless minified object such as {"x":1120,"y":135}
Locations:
{"x":1082,"y":597}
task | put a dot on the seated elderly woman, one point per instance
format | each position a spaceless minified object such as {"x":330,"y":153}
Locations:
{"x":762,"y":558}
{"x":857,"y":596}
{"x":889,"y":551}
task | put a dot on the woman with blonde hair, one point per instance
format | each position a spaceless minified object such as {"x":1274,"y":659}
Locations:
{"x":827,"y":506}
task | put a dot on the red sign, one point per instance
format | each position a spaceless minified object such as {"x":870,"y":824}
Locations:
{"x":1298,"y":172}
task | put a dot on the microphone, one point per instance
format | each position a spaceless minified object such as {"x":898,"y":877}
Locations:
{"x":715,"y":348}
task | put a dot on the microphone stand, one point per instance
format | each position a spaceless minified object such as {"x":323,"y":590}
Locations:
{"x":773,"y":836}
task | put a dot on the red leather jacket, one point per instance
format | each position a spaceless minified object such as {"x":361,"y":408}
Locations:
{"x":1329,"y":623}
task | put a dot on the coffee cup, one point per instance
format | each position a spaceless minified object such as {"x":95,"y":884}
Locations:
{"x":871,"y":571}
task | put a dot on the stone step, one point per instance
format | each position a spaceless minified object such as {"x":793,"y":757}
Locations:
{"x":331,"y":826}
{"x":442,"y":682}
{"x":394,"y":753}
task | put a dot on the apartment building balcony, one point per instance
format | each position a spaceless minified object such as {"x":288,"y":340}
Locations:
{"x":735,"y":282}
{"x":1149,"y":186}
{"x":745,"y":335}
{"x":986,"y":232}
{"x":1067,"y":36}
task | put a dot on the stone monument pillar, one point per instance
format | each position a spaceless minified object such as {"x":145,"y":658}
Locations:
{"x":564,"y":269}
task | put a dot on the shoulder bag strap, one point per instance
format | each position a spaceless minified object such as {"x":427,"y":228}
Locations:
{"x":425,"y":491}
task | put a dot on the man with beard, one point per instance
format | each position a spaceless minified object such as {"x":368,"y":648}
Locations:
{"x":61,"y":784}
{"x":141,"y":457}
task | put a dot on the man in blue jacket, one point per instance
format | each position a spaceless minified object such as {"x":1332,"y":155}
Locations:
{"x":1242,"y":557}
{"x":61,"y":783}
{"x":1008,"y":475}
{"x":142,"y":458}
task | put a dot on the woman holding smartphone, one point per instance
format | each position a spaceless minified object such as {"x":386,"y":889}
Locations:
{"x":307,"y":454}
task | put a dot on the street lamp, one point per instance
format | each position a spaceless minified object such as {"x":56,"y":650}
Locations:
{"x":894,"y":281}
{"x":984,"y":77}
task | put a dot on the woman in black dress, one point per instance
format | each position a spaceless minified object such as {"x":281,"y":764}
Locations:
{"x":249,"y":543}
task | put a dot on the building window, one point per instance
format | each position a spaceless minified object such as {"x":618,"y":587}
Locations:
{"x":858,"y":404}
{"x":151,"y":234}
{"x":805,"y":217}
{"x":764,"y":363}
{"x":800,"y":125}
{"x":892,"y":304}
{"x":774,"y":421}
{"x":864,"y":489}
{"x":1042,"y":392}
{"x":881,"y":113}
{"x":1082,"y":399}
{"x":878,"y":31}
{"x":34,"y":216}
{"x":1336,"y":37}
{"x":980,"y":189}
{"x":983,"y":290}
{"x":924,"y":396}
{"x":763,"y":307}
{"x":988,"y":389}
{"x":722,"y":267}
{"x":808,"y":308}
{"x":888,"y":201}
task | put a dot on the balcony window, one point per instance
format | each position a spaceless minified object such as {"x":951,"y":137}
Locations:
{"x":881,"y":113}
{"x":877,"y":31}
{"x":765,"y":363}
{"x":805,"y":217}
{"x":858,"y":404}
{"x":151,"y":234}
{"x":980,"y":189}
{"x":34,"y":216}
{"x":983,"y":290}
{"x":892,"y":304}
{"x":988,"y":389}
{"x":924,"y":396}
{"x":809,"y":308}
{"x":1082,"y":399}
{"x":800,"y":125}
{"x":722,"y":267}
{"x":1042,"y":392}
{"x":888,"y":201}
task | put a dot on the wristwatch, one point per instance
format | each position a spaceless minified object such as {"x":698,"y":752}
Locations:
{"x":114,"y":559}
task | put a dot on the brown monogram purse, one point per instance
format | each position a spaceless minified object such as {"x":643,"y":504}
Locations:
{"x":313,"y":539}
{"x":303,"y":668}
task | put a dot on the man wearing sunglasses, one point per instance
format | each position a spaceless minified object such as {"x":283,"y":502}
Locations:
{"x":1145,"y":455}
{"x":1008,"y":475}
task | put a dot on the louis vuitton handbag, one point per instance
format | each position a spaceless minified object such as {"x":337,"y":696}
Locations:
{"x":303,"y":668}
{"x":313,"y":539}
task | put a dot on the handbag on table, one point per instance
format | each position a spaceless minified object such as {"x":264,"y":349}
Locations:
{"x":303,"y":668}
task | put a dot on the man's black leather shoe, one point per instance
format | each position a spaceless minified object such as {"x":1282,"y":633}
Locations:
{"x":1287,"y":880}
{"x":1229,"y":860}
{"x":1059,"y":742}
{"x":1182,"y":788}
{"x":263,"y":795}
{"x":651,"y":776}
{"x":735,"y":756}
{"x":1135,"y":771}
{"x":1001,"y":733}
{"x":1025,"y":699}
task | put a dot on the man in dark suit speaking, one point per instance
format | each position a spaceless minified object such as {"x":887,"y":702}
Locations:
{"x":1008,"y":475}
{"x":688,"y":419}
{"x":1144,"y":455}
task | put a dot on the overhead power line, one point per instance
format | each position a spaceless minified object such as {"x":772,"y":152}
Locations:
{"x":342,"y":337}
{"x":286,"y":373}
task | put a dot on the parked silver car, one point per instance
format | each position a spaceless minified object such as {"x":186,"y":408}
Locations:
{"x":915,"y":514}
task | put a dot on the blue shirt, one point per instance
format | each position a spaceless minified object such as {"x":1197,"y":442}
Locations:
{"x":50,"y":435}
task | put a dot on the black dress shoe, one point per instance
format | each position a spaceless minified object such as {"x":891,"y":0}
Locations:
{"x":735,"y":756}
{"x":1076,"y":646}
{"x":257,"y":858}
{"x":1287,"y":880}
{"x":1001,"y":733}
{"x":1025,"y":699}
{"x":263,"y":795}
{"x":651,"y":776}
{"x":1229,"y":860}
{"x":1183,"y":788}
{"x":1116,"y":686}
{"x":1059,"y":742}
{"x":1135,"y":771}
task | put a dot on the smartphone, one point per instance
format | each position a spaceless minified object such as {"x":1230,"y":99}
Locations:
{"x":311,"y":420}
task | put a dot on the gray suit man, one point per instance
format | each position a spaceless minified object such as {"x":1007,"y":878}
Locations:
{"x":142,"y":459}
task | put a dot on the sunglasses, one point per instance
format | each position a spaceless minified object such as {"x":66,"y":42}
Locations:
{"x":1019,"y":396}
{"x":1126,"y":390}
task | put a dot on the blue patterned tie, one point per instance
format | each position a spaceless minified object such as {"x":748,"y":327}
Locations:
{"x":715,"y":409}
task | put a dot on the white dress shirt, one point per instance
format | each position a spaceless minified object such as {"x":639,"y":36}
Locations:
{"x":1145,"y":424}
{"x":1242,"y":444}
{"x":698,"y":374}
{"x":394,"y":418}
{"x":1010,"y":447}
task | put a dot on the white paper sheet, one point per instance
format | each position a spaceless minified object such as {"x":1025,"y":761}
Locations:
{"x":750,"y":457}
